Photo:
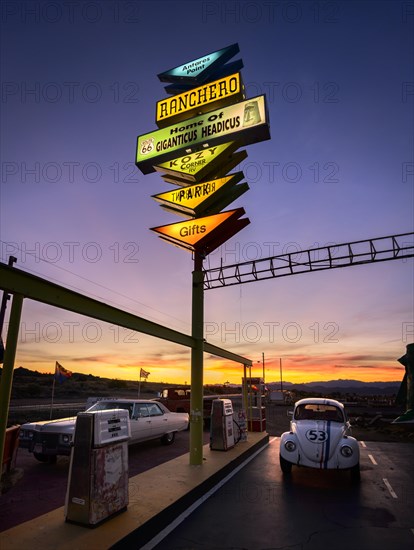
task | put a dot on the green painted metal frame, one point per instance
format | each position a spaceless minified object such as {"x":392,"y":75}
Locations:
{"x":25,"y":285}
{"x":16,"y":281}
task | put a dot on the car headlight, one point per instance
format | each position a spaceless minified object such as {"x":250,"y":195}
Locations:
{"x":346,"y":451}
{"x":290,"y":446}
{"x":66,"y":438}
{"x":30,"y":435}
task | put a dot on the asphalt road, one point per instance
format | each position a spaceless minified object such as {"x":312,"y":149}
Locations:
{"x":313,"y":510}
{"x":257,"y":508}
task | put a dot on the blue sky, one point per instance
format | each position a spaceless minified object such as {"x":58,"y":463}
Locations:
{"x":79,"y":85}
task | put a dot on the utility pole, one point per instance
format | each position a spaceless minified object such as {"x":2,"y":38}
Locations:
{"x":263,"y":365}
{"x":281,"y":378}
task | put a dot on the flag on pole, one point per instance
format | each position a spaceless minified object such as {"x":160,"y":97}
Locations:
{"x":61,"y":373}
{"x":143,"y":374}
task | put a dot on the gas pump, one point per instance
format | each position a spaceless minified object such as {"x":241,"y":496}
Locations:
{"x":221,"y":425}
{"x":98,"y":471}
{"x":253,"y":393}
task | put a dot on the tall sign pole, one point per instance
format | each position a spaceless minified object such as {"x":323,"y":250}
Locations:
{"x":197,"y":366}
{"x":200,"y":128}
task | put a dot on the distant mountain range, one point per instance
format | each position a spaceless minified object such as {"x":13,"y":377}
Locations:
{"x":342,"y":386}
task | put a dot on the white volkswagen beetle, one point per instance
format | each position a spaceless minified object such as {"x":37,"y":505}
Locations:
{"x":318,"y":438}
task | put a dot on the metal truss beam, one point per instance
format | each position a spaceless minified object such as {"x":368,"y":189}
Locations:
{"x":15,"y":281}
{"x":380,"y":249}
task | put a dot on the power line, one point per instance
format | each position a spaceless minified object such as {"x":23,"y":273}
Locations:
{"x":97,"y":296}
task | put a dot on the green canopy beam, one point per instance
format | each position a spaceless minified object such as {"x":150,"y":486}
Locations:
{"x":16,"y":281}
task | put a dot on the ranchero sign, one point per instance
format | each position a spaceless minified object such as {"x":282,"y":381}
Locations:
{"x":199,"y":100}
{"x":245,"y":122}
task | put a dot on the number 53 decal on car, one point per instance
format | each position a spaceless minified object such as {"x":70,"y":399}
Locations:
{"x":316,"y":436}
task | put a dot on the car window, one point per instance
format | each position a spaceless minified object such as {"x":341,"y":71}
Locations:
{"x":141,"y":410}
{"x":106,"y":405}
{"x":312,"y":411}
{"x":154,"y":410}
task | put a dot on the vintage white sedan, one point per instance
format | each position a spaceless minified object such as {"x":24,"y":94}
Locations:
{"x":318,"y":438}
{"x":148,"y":420}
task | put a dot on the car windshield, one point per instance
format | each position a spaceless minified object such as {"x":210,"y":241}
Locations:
{"x":105,"y":405}
{"x":314,"y":411}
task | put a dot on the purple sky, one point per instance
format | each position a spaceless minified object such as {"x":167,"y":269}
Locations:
{"x":79,"y":85}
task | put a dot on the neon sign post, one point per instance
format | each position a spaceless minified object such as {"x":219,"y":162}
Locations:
{"x":200,"y":130}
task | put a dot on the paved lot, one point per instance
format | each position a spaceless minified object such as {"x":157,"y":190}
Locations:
{"x":257,"y":509}
{"x":42,"y":487}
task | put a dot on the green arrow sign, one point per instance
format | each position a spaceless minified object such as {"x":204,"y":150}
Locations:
{"x":194,"y":167}
{"x":219,"y":171}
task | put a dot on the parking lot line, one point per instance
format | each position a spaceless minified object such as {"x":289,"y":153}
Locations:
{"x":179,"y":519}
{"x":372,"y":459}
{"x":390,"y":489}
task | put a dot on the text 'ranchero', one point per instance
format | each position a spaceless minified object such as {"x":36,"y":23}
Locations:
{"x":197,"y":97}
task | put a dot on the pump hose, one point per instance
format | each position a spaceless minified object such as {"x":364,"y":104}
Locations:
{"x":240,"y":432}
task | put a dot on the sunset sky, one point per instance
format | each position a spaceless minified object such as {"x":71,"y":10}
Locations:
{"x":79,"y":84}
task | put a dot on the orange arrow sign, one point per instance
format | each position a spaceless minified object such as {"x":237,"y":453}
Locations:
{"x":204,"y":234}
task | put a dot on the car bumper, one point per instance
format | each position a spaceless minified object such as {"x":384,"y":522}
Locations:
{"x":335,"y":462}
{"x":46,"y":444}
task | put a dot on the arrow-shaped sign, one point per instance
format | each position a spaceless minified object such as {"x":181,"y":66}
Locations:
{"x":225,"y":70}
{"x":201,"y":198}
{"x":198,"y":70}
{"x":196,"y":166}
{"x":204,"y":234}
{"x":217,"y":172}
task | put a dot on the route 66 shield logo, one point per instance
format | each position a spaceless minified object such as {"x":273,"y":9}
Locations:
{"x":147,"y":146}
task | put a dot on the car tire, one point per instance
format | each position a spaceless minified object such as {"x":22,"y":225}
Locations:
{"x":168,"y":439}
{"x":51,"y":459}
{"x":355,"y":473}
{"x":285,"y":466}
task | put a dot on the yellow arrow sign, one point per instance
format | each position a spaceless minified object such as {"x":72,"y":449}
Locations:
{"x":203,"y":234}
{"x":195,"y":199}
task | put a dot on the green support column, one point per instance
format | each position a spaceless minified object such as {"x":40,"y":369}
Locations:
{"x":8,"y":366}
{"x":196,"y":403}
